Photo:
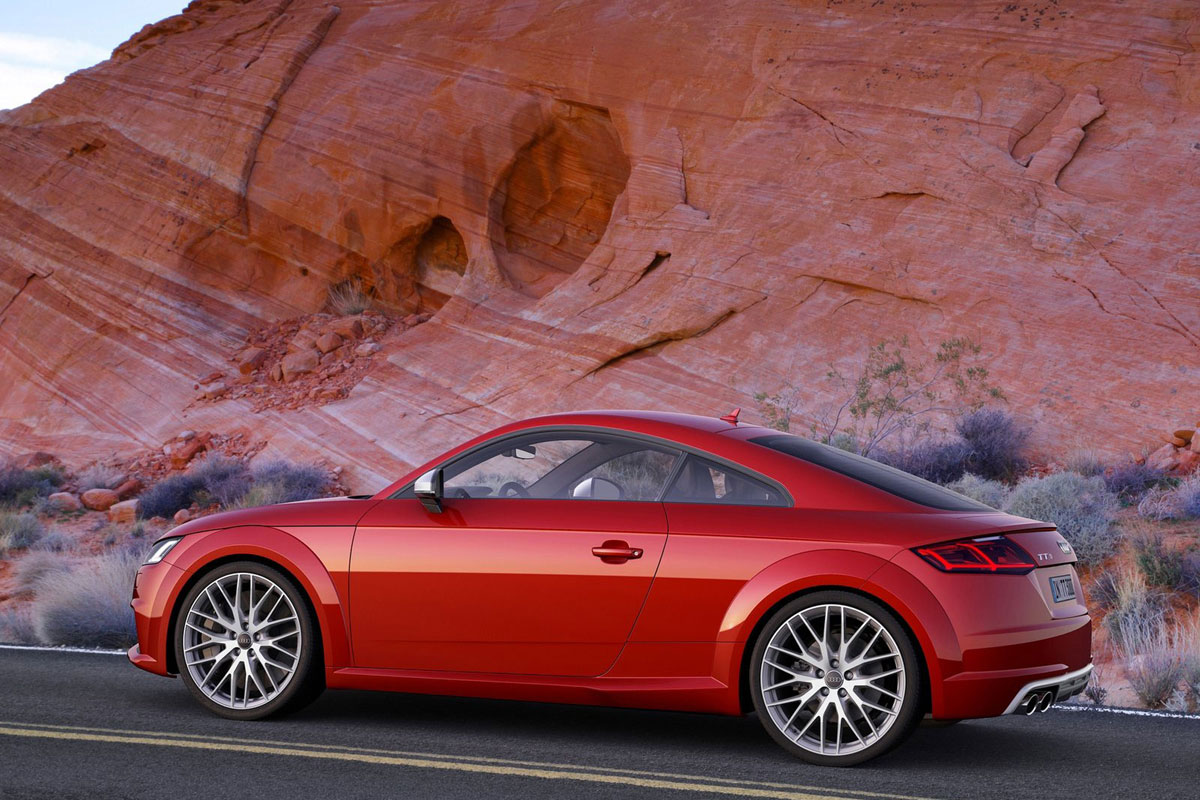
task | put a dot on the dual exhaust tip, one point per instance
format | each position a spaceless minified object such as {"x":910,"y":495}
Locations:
{"x":1037,"y":701}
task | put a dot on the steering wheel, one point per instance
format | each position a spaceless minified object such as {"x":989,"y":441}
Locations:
{"x":512,"y":489}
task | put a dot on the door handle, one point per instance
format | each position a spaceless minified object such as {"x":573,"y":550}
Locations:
{"x":615,"y":551}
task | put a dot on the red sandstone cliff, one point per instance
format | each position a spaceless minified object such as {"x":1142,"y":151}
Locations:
{"x":634,"y":204}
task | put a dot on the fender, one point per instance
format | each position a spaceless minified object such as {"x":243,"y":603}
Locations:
{"x":911,"y":599}
{"x":872,"y":575}
{"x":198,"y":551}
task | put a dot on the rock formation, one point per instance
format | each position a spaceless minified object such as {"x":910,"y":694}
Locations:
{"x":663,"y":204}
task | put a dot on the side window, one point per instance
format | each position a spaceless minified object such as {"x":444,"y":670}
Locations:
{"x":636,"y":475}
{"x":511,"y":470}
{"x":703,"y":481}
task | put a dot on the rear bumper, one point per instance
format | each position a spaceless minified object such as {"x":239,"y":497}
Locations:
{"x":1059,"y":688}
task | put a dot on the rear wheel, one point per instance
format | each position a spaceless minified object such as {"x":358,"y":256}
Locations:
{"x":246,"y":643}
{"x":836,"y":679}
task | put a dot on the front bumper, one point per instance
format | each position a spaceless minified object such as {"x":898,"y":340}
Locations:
{"x":152,"y":595}
{"x":1033,"y":695}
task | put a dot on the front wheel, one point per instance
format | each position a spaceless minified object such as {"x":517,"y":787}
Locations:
{"x":836,"y":679}
{"x":246,"y":643}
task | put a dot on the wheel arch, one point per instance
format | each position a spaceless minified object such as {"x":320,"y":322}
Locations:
{"x":744,"y":692}
{"x":280,"y":551}
{"x":870,"y":575}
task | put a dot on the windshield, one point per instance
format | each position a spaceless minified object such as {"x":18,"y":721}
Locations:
{"x":889,"y":479}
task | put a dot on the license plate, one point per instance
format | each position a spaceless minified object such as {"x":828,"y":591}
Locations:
{"x":1063,"y":588}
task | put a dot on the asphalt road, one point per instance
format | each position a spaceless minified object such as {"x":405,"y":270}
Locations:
{"x":93,"y":726}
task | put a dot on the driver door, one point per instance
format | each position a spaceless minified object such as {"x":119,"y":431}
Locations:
{"x":525,"y":571}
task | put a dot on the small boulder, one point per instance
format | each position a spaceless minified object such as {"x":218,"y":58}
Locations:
{"x":214,"y":390}
{"x":182,"y":515}
{"x":64,"y":501}
{"x":347,"y":327}
{"x":276,"y":373}
{"x":124,"y":512}
{"x":128,"y":488}
{"x":251,"y":359}
{"x":328,"y":342}
{"x":304,"y":340}
{"x":99,"y":499}
{"x":367,"y":349}
{"x":297,"y":364}
{"x":183,"y":455}
{"x":1164,"y":459}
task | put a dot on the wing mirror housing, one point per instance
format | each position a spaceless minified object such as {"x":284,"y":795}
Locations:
{"x":428,"y":489}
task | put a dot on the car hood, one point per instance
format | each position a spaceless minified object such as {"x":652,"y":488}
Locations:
{"x":324,"y":511}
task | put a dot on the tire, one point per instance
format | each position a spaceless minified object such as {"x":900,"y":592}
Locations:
{"x":825,"y":704}
{"x":260,"y":661}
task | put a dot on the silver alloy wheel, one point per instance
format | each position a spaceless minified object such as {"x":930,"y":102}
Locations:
{"x":242,"y":640}
{"x":832,"y":679}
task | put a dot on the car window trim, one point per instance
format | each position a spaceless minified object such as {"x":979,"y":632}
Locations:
{"x":684,"y":450}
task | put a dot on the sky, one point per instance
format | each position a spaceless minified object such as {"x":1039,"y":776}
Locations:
{"x":42,"y":41}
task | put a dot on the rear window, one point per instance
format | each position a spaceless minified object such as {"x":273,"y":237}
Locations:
{"x":889,"y":479}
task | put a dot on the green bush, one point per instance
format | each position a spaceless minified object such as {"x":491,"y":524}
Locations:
{"x":1082,"y":508}
{"x":989,"y":492}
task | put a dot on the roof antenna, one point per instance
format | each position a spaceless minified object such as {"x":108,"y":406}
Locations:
{"x":732,"y":416}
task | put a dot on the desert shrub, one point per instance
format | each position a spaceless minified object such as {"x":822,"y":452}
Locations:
{"x":348,"y":298}
{"x":89,"y":606}
{"x":224,"y":479}
{"x":996,"y":443}
{"x":54,"y":541}
{"x":1136,"y":607}
{"x":940,"y":461}
{"x":293,"y":481}
{"x":1187,"y":497}
{"x":169,"y":495}
{"x":895,"y":391}
{"x":36,"y":567}
{"x":1086,"y":462}
{"x":1157,"y":504}
{"x":1082,"y":508}
{"x":261,"y":494}
{"x":989,"y":492}
{"x":1095,"y":690}
{"x":99,"y":476}
{"x":1104,"y":589}
{"x":1162,"y":565}
{"x":16,"y":626}
{"x":19,"y":530}
{"x":1154,"y":662}
{"x":1130,"y":481}
{"x":1189,"y":575}
{"x":22,"y":487}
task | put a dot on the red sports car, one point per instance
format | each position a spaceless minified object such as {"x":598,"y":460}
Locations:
{"x":635,"y":559}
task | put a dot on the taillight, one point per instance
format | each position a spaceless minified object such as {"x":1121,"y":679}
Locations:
{"x":986,"y":554}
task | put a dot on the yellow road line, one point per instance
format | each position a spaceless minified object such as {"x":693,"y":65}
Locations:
{"x":697,"y":784}
{"x":849,"y":793}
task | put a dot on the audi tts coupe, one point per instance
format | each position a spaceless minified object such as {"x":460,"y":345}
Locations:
{"x":645,"y":560}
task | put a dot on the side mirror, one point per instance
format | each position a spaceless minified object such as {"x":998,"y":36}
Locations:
{"x":428,"y":489}
{"x":597,"y":489}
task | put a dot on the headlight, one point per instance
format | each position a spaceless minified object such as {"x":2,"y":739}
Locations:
{"x":161,"y":549}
